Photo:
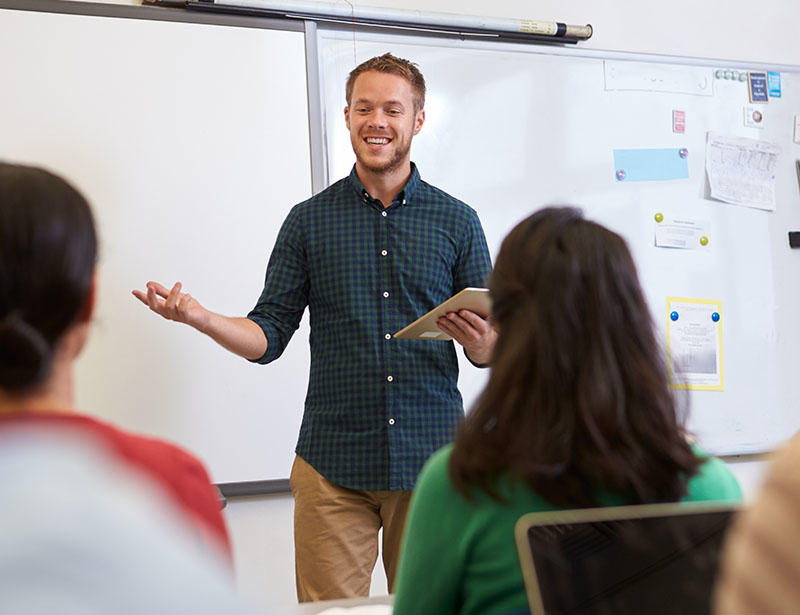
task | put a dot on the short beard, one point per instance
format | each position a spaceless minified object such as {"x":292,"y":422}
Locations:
{"x":391,"y":165}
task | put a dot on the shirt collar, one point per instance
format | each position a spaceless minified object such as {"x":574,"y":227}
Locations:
{"x":404,"y":196}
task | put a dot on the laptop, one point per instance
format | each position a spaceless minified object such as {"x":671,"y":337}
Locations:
{"x":648,"y":559}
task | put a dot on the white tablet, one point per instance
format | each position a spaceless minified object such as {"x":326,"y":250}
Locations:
{"x":425,"y":328}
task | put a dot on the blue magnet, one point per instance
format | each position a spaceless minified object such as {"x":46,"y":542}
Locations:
{"x":683,"y":152}
{"x":620,"y":174}
{"x":715,"y":316}
{"x":674,"y":315}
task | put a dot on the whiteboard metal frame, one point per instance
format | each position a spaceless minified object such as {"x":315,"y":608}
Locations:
{"x":316,"y":118}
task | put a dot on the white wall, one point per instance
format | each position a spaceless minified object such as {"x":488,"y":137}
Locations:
{"x":731,"y":30}
{"x":261,"y":531}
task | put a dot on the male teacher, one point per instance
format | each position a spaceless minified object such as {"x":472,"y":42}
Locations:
{"x":368,"y":255}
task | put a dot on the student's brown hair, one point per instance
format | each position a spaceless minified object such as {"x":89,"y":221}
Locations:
{"x":387,"y":63}
{"x":578,"y":400}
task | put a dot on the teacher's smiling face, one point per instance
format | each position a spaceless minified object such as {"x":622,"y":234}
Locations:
{"x":382,"y":121}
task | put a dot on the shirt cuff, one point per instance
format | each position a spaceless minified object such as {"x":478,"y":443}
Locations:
{"x":268,"y":330}
{"x":481,"y":365}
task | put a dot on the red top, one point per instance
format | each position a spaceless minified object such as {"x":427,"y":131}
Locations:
{"x":179,"y":474}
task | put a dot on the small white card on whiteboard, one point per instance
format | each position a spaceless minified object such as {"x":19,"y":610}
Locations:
{"x":681,"y":233}
{"x":651,"y":77}
{"x":753,"y":117}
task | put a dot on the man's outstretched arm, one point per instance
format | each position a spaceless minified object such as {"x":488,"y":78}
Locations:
{"x":239,"y":335}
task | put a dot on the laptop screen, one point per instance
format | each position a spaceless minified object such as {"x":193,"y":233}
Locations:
{"x":660,"y":558}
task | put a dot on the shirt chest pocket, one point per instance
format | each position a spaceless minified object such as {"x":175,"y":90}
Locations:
{"x":343,"y":271}
{"x":426,"y":265}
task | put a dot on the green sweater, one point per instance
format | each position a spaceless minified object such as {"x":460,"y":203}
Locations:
{"x":460,"y":556}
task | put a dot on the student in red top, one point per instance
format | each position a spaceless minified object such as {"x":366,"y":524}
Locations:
{"x":48,"y":251}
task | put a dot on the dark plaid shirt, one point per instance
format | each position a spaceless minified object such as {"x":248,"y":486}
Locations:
{"x":376,"y":407}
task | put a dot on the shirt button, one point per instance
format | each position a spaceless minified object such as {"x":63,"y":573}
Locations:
{"x":383,"y":213}
{"x":384,"y":253}
{"x":389,"y":378}
{"x":388,"y":336}
{"x":391,"y":421}
{"x":385,"y":294}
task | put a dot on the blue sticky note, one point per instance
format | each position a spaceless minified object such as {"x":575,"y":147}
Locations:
{"x":644,"y":165}
{"x":774,"y":83}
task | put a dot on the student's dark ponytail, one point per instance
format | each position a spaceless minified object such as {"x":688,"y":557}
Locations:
{"x":48,"y":251}
{"x":24,"y":354}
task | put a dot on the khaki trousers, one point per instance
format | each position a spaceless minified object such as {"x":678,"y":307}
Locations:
{"x":336,"y":535}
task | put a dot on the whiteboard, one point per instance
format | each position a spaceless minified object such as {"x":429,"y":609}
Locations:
{"x":511,"y":128}
{"x":191,"y":142}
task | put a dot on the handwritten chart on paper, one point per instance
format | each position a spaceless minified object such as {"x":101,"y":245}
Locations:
{"x":742,"y":171}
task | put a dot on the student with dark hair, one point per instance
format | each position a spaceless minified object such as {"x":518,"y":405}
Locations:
{"x":577,"y":413}
{"x":48,"y":251}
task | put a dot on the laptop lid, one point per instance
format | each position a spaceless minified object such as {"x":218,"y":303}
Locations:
{"x":655,"y":558}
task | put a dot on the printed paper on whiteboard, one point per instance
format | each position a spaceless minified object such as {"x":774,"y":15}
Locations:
{"x":681,"y":233}
{"x":742,"y":171}
{"x":694,"y":343}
